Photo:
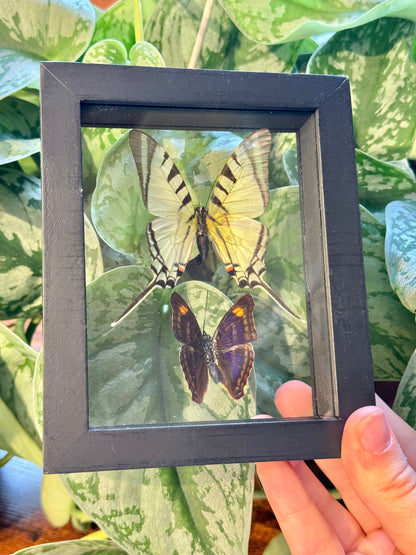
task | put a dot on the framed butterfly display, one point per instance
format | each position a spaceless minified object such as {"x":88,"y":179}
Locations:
{"x":222,"y":268}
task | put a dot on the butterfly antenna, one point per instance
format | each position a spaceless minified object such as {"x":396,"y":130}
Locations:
{"x":135,"y":303}
{"x":205,"y":313}
{"x":279,"y":301}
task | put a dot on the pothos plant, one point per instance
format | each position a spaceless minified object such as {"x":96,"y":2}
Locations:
{"x":199,"y":509}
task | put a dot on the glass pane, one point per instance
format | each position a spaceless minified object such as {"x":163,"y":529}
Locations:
{"x":215,"y":216}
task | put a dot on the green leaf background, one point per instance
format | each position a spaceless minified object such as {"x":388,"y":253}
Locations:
{"x":272,"y":22}
{"x":25,"y":40}
{"x":197,"y":509}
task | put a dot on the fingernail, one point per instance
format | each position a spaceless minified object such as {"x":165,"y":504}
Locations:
{"x":374,"y":433}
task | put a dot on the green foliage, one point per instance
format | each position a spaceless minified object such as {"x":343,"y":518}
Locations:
{"x":195,"y":509}
{"x":271,"y":22}
{"x":25,"y":40}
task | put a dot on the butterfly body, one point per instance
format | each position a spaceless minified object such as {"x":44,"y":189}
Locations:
{"x":202,"y":233}
{"x":227,"y":357}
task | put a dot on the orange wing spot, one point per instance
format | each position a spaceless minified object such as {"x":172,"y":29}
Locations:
{"x":182,"y":309}
{"x":229,"y":267}
{"x":181,"y":269}
{"x":239,"y":311}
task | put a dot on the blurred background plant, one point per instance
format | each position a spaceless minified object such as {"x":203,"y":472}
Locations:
{"x":373,"y":43}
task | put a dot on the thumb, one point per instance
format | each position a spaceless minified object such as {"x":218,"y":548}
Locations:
{"x":380,"y":474}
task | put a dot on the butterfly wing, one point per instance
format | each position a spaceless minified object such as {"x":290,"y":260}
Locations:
{"x":237,"y":325}
{"x":195,"y":370}
{"x":234,"y":367}
{"x":192,"y":357}
{"x":171,"y":236}
{"x":164,"y":191}
{"x":234,"y":353}
{"x":240,"y":194}
{"x":242,"y":188}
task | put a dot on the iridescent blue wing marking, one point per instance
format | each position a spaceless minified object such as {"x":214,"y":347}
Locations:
{"x":234,"y":368}
{"x":232,"y":345}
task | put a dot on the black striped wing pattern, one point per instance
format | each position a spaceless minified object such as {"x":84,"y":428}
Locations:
{"x":240,"y":194}
{"x":228,"y":357}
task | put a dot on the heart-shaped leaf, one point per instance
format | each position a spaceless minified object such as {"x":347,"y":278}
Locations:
{"x":401,"y":251}
{"x":404,"y":402}
{"x":381,"y":182}
{"x":75,"y":547}
{"x":107,"y":51}
{"x":25,"y":39}
{"x":18,"y":433}
{"x":271,"y":22}
{"x":378,"y":53}
{"x":224,"y":47}
{"x":392,"y":328}
{"x":20,"y":243}
{"x":19,"y":130}
{"x":168,"y":510}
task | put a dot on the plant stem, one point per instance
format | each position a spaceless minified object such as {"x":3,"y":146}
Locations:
{"x":5,"y":459}
{"x":201,"y":34}
{"x":32,"y":327}
{"x":138,"y":21}
{"x":19,"y":329}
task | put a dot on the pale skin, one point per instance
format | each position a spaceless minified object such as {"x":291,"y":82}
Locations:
{"x":375,"y":476}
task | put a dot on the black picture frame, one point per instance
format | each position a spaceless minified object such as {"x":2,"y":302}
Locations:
{"x":318,"y":109}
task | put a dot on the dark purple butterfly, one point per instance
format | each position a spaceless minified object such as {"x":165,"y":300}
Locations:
{"x":228,"y":357}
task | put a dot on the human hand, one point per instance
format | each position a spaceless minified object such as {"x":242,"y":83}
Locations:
{"x":375,"y":477}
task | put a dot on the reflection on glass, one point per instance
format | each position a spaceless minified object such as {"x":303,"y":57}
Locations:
{"x":141,"y":366}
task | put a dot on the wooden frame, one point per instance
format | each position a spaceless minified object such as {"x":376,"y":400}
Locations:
{"x":318,"y":109}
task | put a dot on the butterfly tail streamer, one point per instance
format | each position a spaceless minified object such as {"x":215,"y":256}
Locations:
{"x":279,"y":301}
{"x":135,"y":303}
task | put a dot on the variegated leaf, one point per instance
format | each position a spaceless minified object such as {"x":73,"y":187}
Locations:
{"x":381,"y":182}
{"x":19,"y":130}
{"x":14,"y":439}
{"x":133,"y":379}
{"x":158,"y":391}
{"x":224,"y":47}
{"x":56,"y":501}
{"x":110,"y":51}
{"x":75,"y":547}
{"x":183,"y":18}
{"x":392,"y":330}
{"x":378,"y":53}
{"x":20,"y":240}
{"x":18,"y":433}
{"x":404,"y":403}
{"x":117,"y":22}
{"x":18,"y":70}
{"x":25,"y":39}
{"x":96,"y":141}
{"x":392,"y":342}
{"x":117,"y":209}
{"x":20,"y":245}
{"x":145,"y":54}
{"x":107,"y":51}
{"x":401,"y":251}
{"x":276,"y":22}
